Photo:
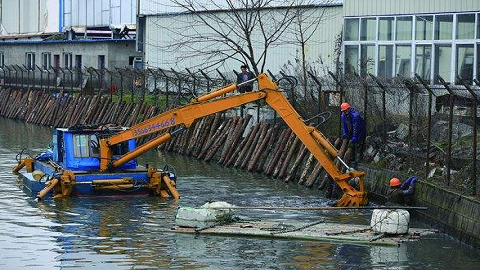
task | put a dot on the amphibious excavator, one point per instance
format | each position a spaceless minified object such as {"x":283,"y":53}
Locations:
{"x":101,"y":160}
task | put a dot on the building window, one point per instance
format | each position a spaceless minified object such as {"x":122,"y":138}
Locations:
{"x":101,"y":62}
{"x":30,"y":60}
{"x":385,"y":60}
{"x":56,"y":61}
{"x":80,"y":146}
{"x":423,"y":61}
{"x":404,"y":28}
{"x":67,"y":60}
{"x":478,"y":27}
{"x":46,"y":61}
{"x":443,"y":27}
{"x":478,"y":61}
{"x":466,"y":26}
{"x":138,"y":63}
{"x":351,"y":59}
{"x":443,"y":63}
{"x":367,"y":64}
{"x":465,"y":59}
{"x":367,"y":31}
{"x":2,"y":59}
{"x":424,"y":28}
{"x":403,"y":59}
{"x":385,"y":28}
{"x":78,"y":61}
{"x":351,"y":29}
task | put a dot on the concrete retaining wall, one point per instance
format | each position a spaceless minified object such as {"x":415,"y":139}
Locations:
{"x":451,"y":212}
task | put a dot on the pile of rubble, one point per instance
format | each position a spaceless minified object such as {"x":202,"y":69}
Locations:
{"x":396,"y":154}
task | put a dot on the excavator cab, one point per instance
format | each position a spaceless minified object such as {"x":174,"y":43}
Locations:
{"x":78,"y":149}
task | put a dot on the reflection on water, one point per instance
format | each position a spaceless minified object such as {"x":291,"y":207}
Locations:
{"x":134,"y":232}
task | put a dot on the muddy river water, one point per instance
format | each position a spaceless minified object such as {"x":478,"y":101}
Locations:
{"x":133,"y":232}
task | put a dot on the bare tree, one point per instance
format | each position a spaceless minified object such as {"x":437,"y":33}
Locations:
{"x":307,"y":20}
{"x":243,"y":30}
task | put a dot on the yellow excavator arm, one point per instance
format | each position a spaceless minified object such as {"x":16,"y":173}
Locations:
{"x":209,"y":104}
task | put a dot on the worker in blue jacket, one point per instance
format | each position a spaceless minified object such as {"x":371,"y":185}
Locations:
{"x":354,"y":130}
{"x":401,"y":193}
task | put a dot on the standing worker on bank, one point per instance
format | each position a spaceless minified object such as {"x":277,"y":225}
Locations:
{"x":354,"y":130}
{"x":244,"y":76}
{"x":401,"y":193}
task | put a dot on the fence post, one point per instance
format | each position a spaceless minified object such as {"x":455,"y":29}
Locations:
{"x":384,"y":108}
{"x":21,"y":70}
{"x":450,"y":127}
{"x":338,"y":85}
{"x":4,"y":76}
{"x":474,"y":139}
{"x":429,"y":122}
{"x":321,"y":105}
{"x":225,"y":81}
{"x":275,"y":80}
{"x":207,"y":78}
{"x":121,"y":83}
{"x":167,"y":85}
{"x":91,"y":82}
{"x":9,"y":77}
{"x":365,"y":100}
{"x":41,"y":77}
{"x":16,"y":75}
{"x":154,"y":85}
{"x":411,"y":88}
{"x":194,"y":81}
{"x":28,"y":76}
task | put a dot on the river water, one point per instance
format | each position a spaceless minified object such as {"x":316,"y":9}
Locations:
{"x":133,"y":232}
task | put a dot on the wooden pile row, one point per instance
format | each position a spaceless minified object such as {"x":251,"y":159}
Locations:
{"x":41,"y":108}
{"x":272,"y":150}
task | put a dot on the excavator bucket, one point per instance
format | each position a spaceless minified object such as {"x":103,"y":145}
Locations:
{"x":354,"y":198}
{"x":350,"y":201}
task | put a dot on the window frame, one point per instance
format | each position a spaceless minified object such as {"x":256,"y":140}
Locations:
{"x":2,"y":59}
{"x":30,"y":65}
{"x":67,"y":60}
{"x":76,"y":147}
{"x":49,"y":55}
{"x":414,"y":42}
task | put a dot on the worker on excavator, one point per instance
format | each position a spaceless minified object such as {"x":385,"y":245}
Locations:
{"x":354,"y":130}
{"x":401,"y":193}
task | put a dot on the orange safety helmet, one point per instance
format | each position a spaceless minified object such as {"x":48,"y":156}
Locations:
{"x":345,"y":106}
{"x":395,"y":182}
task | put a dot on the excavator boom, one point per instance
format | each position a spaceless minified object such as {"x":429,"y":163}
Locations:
{"x":209,"y":104}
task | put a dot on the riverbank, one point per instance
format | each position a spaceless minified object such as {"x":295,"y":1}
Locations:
{"x":453,"y":213}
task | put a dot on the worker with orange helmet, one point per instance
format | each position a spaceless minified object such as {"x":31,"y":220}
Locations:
{"x":401,"y":193}
{"x":354,"y":130}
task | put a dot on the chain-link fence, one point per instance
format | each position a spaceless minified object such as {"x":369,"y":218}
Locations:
{"x":164,"y":88}
{"x":412,"y":126}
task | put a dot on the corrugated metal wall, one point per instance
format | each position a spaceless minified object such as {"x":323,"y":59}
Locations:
{"x":99,"y":12}
{"x":386,"y":7}
{"x":155,"y":7}
{"x":29,"y":16}
{"x":321,"y":45}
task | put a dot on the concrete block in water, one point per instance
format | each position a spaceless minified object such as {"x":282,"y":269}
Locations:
{"x":204,"y":216}
{"x":390,"y":221}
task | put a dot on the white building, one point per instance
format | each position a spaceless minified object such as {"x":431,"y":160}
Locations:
{"x":162,"y":21}
{"x":427,"y":37}
{"x":22,"y":17}
{"x":68,"y":33}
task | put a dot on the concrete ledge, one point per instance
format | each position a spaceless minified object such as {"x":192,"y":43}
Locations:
{"x":449,"y":211}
